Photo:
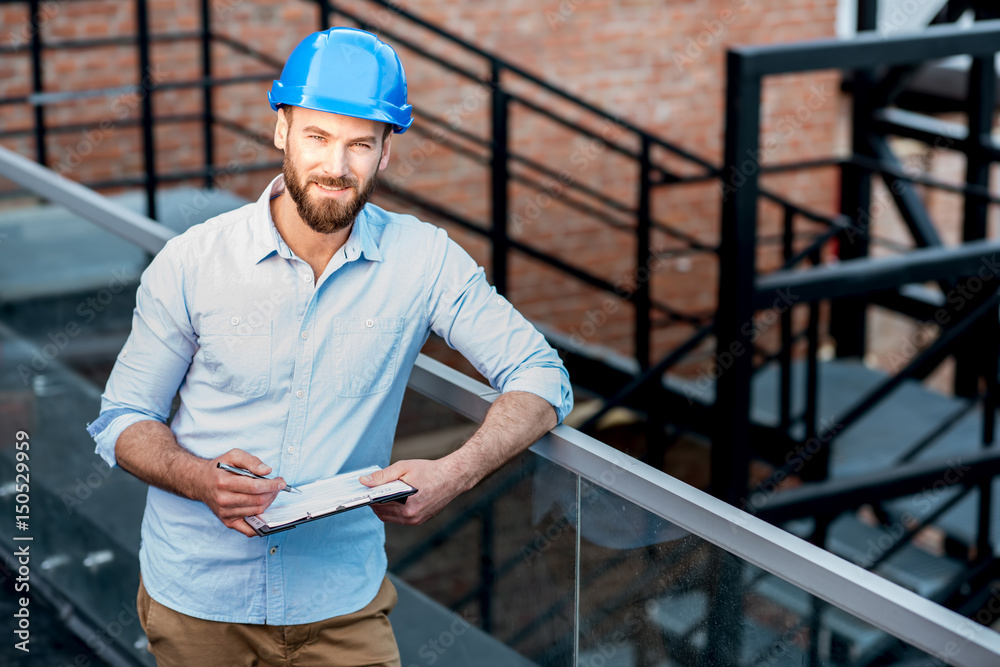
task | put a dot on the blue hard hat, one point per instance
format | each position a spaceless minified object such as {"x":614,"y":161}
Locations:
{"x":348,"y":72}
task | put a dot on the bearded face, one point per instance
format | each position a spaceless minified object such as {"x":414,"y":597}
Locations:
{"x":327,"y":215}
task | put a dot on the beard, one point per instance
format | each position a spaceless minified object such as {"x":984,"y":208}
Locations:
{"x":322,"y":215}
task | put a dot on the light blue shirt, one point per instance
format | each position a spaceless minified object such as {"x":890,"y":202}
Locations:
{"x":308,"y":377}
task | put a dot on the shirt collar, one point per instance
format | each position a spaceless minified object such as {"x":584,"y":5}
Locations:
{"x":363,"y":237}
{"x":266,"y":239}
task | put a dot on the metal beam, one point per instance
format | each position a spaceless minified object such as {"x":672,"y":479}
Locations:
{"x":642,"y":295}
{"x":932,"y":131}
{"x":730,"y":462}
{"x":911,"y":208}
{"x":867,"y":18}
{"x":863,"y":276}
{"x":37,"y":79}
{"x":915,"y":301}
{"x":208,"y":122}
{"x":872,"y":47}
{"x":979,"y":109}
{"x":903,"y":480}
{"x":737,"y":268}
{"x":144,"y":87}
{"x":969,"y":359}
{"x":499,"y":183}
{"x":848,"y":317}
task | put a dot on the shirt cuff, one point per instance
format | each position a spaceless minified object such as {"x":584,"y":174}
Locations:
{"x":108,"y":427}
{"x":549,"y":383}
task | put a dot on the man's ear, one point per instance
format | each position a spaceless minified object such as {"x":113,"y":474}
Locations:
{"x":386,"y":149}
{"x":281,"y":130}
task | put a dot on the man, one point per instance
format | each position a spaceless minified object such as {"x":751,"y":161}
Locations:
{"x":290,"y":327}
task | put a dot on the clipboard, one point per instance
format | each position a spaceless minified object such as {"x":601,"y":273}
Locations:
{"x":326,"y":497}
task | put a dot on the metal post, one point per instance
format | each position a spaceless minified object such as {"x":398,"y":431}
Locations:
{"x":37,"y":79}
{"x":145,"y":89}
{"x":499,"y":180}
{"x":787,"y":335}
{"x":737,"y":273}
{"x":641,"y":299}
{"x":848,"y":324}
{"x":730,"y":465}
{"x":989,"y":336}
{"x":867,"y":18}
{"x":979,"y":109}
{"x":642,"y":302}
{"x":208,"y":120}
{"x":816,"y":468}
{"x":324,"y":13}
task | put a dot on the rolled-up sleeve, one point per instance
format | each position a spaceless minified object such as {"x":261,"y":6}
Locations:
{"x":466,"y":311}
{"x":155,"y":358}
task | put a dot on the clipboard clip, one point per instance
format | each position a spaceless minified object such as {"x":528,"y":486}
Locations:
{"x":363,"y":500}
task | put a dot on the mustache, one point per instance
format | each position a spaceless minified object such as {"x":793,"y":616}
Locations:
{"x":339,"y":182}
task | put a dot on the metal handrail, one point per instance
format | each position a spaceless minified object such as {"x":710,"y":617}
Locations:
{"x":885,"y":605}
{"x":115,"y":218}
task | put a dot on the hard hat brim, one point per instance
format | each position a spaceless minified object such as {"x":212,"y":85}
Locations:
{"x":370,"y":109}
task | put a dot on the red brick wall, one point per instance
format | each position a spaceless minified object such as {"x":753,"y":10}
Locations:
{"x":655,"y":65}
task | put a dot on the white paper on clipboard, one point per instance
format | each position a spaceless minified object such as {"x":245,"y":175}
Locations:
{"x":326,"y":496}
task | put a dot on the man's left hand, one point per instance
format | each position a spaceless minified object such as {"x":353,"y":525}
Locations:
{"x":436,"y":482}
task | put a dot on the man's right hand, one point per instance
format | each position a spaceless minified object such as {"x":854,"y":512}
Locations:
{"x":232,"y":497}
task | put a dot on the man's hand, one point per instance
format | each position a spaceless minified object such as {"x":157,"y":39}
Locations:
{"x":437,"y":484}
{"x":232,"y":497}
{"x":149,"y":450}
{"x":514,"y":421}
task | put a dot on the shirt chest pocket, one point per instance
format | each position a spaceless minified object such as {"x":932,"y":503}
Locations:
{"x":236,"y":354}
{"x":365,"y":354}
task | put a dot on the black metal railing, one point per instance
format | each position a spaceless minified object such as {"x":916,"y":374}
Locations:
{"x":496,"y":152}
{"x":493,"y":152}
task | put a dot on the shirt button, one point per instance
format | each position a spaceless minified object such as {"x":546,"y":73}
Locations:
{"x":306,"y":278}
{"x":235,"y":321}
{"x":305,"y":334}
{"x":300,"y":393}
{"x":369,"y":323}
{"x":274,"y":550}
{"x":291,"y":449}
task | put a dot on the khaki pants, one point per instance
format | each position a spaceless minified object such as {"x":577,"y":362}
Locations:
{"x":361,"y":639}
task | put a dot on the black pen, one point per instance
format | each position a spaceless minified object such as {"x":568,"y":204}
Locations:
{"x":247,"y":473}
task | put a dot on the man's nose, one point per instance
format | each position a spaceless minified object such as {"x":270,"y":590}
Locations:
{"x":334,"y":163}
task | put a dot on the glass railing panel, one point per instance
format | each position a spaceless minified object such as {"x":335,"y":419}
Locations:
{"x":502,"y":557}
{"x":67,"y":292}
{"x":652,"y":593}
